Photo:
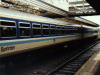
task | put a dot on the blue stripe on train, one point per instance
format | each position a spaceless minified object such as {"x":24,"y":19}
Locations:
{"x":29,"y":41}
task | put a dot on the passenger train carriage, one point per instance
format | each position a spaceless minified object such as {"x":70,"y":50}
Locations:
{"x":21,"y":31}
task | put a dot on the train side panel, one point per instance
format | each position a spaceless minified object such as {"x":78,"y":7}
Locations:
{"x":9,"y":48}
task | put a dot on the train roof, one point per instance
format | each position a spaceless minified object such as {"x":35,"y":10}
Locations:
{"x":4,"y":12}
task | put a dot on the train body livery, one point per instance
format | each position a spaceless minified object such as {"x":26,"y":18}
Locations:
{"x":21,"y":31}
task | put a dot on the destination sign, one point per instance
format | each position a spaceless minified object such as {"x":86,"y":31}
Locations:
{"x":3,"y":49}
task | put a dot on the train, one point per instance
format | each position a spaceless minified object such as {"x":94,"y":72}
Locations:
{"x":22,"y":32}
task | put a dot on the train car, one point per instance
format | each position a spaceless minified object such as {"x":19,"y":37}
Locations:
{"x":20,"y":32}
{"x":88,"y":31}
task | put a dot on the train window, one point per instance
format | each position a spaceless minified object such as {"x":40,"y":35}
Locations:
{"x":36,"y":30}
{"x":7,"y":23}
{"x":52,"y":26}
{"x":24,"y":25}
{"x":71,"y":30}
{"x":63,"y":30}
{"x":8,"y":32}
{"x":34,"y":25}
{"x":74,"y":30}
{"x":78,"y":30}
{"x":52,"y":30}
{"x":67,"y":30}
{"x":96,"y":31}
{"x":45,"y":30}
{"x":24,"y":29}
{"x":58,"y":30}
{"x":58,"y":27}
{"x":7,"y":29}
{"x":44,"y":26}
{"x":63,"y":27}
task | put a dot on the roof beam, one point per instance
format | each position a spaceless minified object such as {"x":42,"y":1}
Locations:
{"x":77,"y":2}
{"x":45,"y":6}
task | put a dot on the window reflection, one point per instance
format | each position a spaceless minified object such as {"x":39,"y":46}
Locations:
{"x":58,"y":32}
{"x":67,"y":30}
{"x":71,"y":31}
{"x":36,"y":31}
{"x":45,"y":31}
{"x":8,"y":32}
{"x":52,"y":31}
{"x":7,"y":29}
{"x":63,"y":32}
{"x":24,"y":31}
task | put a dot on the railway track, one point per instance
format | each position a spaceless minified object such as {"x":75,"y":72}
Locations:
{"x":71,"y":66}
{"x":35,"y":63}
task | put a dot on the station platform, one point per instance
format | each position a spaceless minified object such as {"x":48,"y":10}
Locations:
{"x":92,"y":66}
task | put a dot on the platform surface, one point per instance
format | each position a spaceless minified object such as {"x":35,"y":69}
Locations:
{"x":92,"y":66}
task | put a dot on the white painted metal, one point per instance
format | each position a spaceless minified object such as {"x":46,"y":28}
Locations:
{"x":44,"y":6}
{"x":84,"y":20}
{"x":63,"y":4}
{"x":80,"y":6}
{"x":9,"y":12}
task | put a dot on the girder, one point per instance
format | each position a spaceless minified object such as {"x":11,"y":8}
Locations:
{"x":37,"y":7}
{"x":45,"y":6}
{"x":80,"y":7}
